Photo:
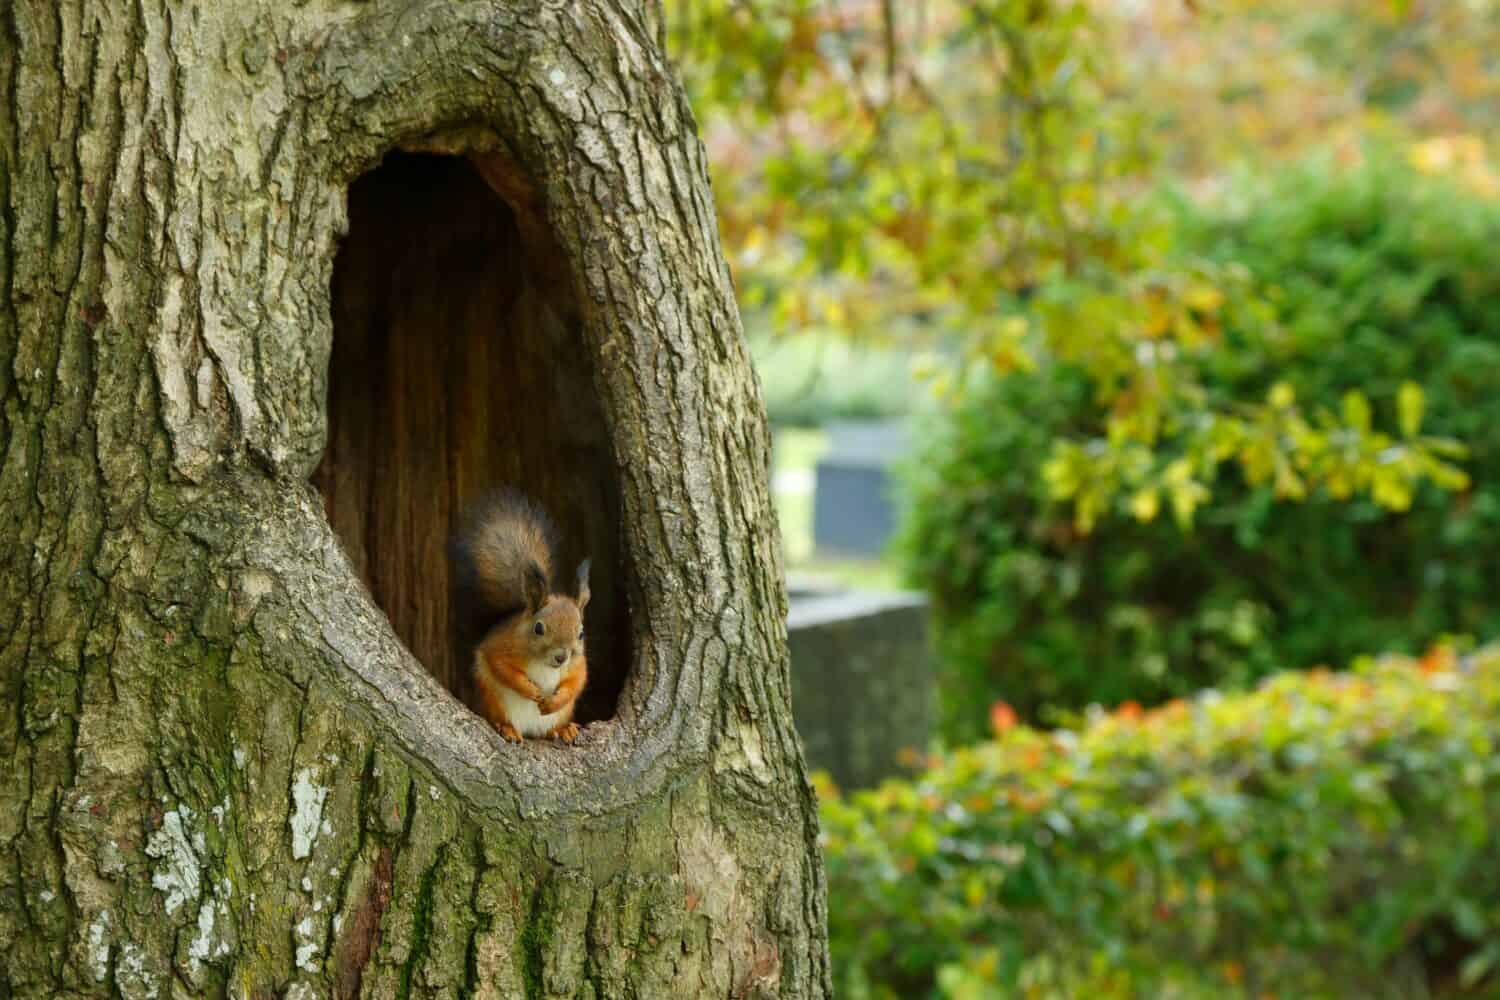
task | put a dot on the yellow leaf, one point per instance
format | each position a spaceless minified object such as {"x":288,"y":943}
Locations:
{"x":1144,"y":505}
{"x":1433,"y":156}
{"x":1179,"y":472}
{"x":1410,"y":403}
{"x":1013,"y":326}
{"x":1391,"y":490}
{"x":1008,"y":356}
{"x":1086,"y":513}
{"x":1061,"y":478}
{"x":1204,"y":298}
{"x":1281,"y":396}
{"x":1158,"y":319}
{"x":1289,"y":485}
{"x":1185,"y":500}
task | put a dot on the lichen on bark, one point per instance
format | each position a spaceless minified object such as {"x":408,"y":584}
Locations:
{"x":222,"y":773}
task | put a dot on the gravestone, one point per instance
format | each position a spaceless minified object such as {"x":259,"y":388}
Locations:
{"x":854,"y":512}
{"x":863,"y":683}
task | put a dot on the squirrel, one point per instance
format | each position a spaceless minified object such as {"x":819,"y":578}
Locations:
{"x":529,"y":665}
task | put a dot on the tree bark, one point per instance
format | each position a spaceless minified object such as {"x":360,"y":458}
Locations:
{"x":222,"y":771}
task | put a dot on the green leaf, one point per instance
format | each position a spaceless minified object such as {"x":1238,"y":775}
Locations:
{"x":1357,"y":411}
{"x":1478,"y":965}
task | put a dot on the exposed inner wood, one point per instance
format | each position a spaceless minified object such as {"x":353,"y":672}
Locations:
{"x":453,"y":373}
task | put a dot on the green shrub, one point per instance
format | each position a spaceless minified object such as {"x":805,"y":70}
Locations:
{"x":1379,"y":276}
{"x":1329,"y":834}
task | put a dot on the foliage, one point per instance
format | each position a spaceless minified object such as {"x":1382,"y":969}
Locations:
{"x":1266,"y":80}
{"x":810,"y":380}
{"x":1040,"y":527}
{"x":1325,"y":835}
{"x":1164,"y":433}
{"x":890,"y":167}
{"x":922,"y":171}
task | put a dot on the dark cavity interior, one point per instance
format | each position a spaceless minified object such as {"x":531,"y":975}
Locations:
{"x":458,"y":366}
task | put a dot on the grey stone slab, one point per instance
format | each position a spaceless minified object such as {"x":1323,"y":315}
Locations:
{"x":853,"y":511}
{"x":863,"y":682}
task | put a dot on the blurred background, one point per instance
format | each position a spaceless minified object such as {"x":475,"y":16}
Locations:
{"x":1134,"y":375}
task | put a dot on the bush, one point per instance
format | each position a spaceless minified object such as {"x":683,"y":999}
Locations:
{"x":1379,"y":275}
{"x":1330,"y":834}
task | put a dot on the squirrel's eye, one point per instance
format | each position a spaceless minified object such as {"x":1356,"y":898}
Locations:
{"x":580,"y":635}
{"x":539,"y":628}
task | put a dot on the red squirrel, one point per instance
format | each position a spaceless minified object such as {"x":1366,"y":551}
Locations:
{"x":528,"y":665}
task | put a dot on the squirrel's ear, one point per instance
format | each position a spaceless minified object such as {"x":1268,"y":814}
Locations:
{"x":583,"y":584}
{"x":535,"y":588}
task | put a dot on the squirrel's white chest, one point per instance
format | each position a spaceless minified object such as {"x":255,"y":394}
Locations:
{"x":523,"y":712}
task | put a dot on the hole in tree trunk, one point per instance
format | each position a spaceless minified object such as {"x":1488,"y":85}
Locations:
{"x":458,"y":366}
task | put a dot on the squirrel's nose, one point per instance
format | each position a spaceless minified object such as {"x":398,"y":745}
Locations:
{"x":561,"y":656}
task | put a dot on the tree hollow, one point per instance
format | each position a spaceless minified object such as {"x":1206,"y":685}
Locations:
{"x":458,"y":366}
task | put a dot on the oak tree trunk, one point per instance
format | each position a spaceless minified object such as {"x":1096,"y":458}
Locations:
{"x":283,"y":283}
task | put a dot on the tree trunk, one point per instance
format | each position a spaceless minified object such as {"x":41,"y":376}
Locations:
{"x":224,"y":771}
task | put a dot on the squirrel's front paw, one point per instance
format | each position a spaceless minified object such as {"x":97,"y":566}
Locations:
{"x":549,"y":705}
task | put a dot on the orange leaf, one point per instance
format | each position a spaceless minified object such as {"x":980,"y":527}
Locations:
{"x":1437,"y":660}
{"x":1002,"y":717}
{"x":1031,"y":801}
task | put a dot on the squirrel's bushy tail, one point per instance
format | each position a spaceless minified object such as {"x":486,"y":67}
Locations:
{"x":502,"y":546}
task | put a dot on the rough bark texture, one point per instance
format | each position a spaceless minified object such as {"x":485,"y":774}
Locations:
{"x":222,"y":773}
